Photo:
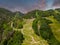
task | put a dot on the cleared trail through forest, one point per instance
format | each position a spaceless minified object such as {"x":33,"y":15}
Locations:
{"x":30,"y":37}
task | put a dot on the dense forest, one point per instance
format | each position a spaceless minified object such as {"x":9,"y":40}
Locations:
{"x":36,"y":27}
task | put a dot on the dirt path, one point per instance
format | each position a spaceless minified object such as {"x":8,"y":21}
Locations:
{"x":30,"y":37}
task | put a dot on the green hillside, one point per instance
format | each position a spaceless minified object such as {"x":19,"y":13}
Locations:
{"x":36,"y":27}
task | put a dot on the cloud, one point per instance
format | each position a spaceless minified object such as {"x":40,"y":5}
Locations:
{"x":24,"y":5}
{"x":56,"y":3}
{"x":42,"y":4}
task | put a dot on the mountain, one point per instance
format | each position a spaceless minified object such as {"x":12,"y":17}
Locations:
{"x":6,"y":32}
{"x":58,"y":9}
{"x":31,"y":14}
{"x":36,"y":27}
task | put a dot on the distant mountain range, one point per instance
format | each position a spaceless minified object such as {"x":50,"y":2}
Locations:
{"x":33,"y":12}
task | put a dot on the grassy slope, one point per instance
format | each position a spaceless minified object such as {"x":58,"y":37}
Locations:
{"x":30,"y":37}
{"x":55,"y":26}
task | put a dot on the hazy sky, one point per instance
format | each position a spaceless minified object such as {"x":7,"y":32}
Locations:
{"x":28,"y":5}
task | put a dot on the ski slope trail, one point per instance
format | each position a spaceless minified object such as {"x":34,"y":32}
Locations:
{"x":30,"y":37}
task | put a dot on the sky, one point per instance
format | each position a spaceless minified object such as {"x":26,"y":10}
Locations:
{"x":25,"y":6}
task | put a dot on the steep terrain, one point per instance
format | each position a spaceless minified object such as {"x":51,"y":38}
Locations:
{"x":34,"y":28}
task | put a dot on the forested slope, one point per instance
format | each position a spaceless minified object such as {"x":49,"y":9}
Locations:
{"x":37,"y":27}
